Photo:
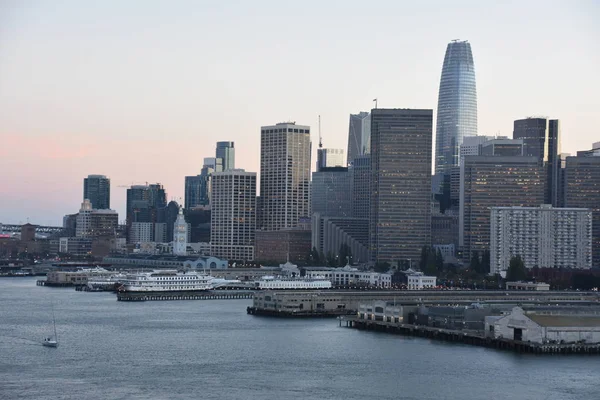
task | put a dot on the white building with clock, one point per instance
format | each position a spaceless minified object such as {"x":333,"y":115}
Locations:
{"x":180,"y":235}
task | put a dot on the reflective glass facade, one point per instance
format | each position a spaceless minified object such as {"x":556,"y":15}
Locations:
{"x":457,"y":105}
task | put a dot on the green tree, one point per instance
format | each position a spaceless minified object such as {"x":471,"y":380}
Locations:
{"x":424,"y":256}
{"x":382,"y":266}
{"x":314,"y":256}
{"x":475,"y":263}
{"x":516,"y":270}
{"x":485,"y":262}
{"x":344,"y":255}
{"x":439,"y":260}
{"x":331,"y":260}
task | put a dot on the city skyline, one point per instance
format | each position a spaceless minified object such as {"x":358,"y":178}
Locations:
{"x":124,"y":112}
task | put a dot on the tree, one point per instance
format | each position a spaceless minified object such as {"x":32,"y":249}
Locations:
{"x":314,"y":256}
{"x":331,"y":260}
{"x":516,"y":270}
{"x":423,"y":260}
{"x":382,"y":267}
{"x":485,"y":262}
{"x":344,"y":255}
{"x":439,"y":260}
{"x":475,"y":264}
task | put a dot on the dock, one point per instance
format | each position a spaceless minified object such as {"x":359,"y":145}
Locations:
{"x":208,"y":295}
{"x":299,"y":313}
{"x":468,"y":337}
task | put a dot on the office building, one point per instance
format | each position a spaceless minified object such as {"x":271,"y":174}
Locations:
{"x":284,"y":175}
{"x":233,"y":215}
{"x":471,"y":146}
{"x":400,"y":218}
{"x":541,"y":139}
{"x":94,"y":222}
{"x":582,"y":190}
{"x":330,"y":233}
{"x":331,"y":192}
{"x":276,"y":247}
{"x":197,"y":188}
{"x":96,"y":188}
{"x":141,"y":232}
{"x":143,"y":203}
{"x":457,"y":105}
{"x":330,"y":158}
{"x":360,"y":179}
{"x":502,"y":147}
{"x":226,"y":153}
{"x":359,"y":135}
{"x":487,"y":182}
{"x":544,"y":237}
{"x":594,"y":152}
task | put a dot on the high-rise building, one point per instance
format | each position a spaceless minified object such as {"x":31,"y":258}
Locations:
{"x":544,"y":237}
{"x":96,"y":188}
{"x":541,"y":139}
{"x":502,"y":147}
{"x":487,"y":182}
{"x":226,"y":152}
{"x":330,"y":158}
{"x":233,"y":215}
{"x":400,"y":218}
{"x":457,"y":105}
{"x":358,"y":135}
{"x":582,"y":190}
{"x":360,"y":176}
{"x":143,"y":203}
{"x":285,"y":151}
{"x":197,"y":188}
{"x":95,"y":222}
{"x":471,"y":146}
{"x":330,"y":192}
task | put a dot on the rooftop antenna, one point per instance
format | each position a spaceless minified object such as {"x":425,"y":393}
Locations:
{"x":320,"y":140}
{"x":375,"y":100}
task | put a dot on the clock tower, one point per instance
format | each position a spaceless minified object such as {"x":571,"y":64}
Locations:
{"x":180,"y":232}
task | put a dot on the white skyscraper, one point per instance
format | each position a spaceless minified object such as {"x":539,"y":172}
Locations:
{"x":233,"y":215}
{"x":180,"y":234}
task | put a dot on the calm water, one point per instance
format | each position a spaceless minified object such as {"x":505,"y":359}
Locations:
{"x":213,"y":350}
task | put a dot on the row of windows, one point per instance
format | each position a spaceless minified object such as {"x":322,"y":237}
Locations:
{"x":281,"y":130}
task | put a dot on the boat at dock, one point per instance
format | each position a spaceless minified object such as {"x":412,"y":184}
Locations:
{"x":167,"y":281}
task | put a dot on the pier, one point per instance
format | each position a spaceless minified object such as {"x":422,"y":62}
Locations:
{"x":299,"y":313}
{"x":468,"y":337}
{"x":209,"y":295}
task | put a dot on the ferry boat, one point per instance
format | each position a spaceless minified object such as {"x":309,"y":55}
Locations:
{"x":271,"y":282}
{"x":166,"y":281}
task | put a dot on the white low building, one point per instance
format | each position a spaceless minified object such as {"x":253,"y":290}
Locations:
{"x":350,"y":276}
{"x":416,"y":280}
{"x":544,"y":328}
{"x":537,"y":286}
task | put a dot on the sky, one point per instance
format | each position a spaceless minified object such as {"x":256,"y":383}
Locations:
{"x":140,"y":91}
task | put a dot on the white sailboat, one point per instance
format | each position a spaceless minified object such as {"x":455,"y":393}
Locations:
{"x":52,"y":341}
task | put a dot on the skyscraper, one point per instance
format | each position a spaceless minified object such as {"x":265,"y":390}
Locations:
{"x":197,"y":188}
{"x":143,"y":203}
{"x":358,"y":135}
{"x":496,"y":181}
{"x":96,"y":188}
{"x":226,"y":152}
{"x":329,"y":158}
{"x":330,"y":192}
{"x":400,"y":218}
{"x":541,"y":139}
{"x":233,"y":215}
{"x":360,"y":175}
{"x":582,"y":189}
{"x":457,"y":105}
{"x":284,"y":175}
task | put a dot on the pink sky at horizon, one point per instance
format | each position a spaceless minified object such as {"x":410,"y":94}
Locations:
{"x":141,"y":92}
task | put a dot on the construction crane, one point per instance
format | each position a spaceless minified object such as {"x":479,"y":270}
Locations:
{"x":320,"y":139}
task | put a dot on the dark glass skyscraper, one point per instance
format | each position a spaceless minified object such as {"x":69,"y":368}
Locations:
{"x":457,"y":105}
{"x":400,"y":217}
{"x":225,"y":152}
{"x":96,"y":188}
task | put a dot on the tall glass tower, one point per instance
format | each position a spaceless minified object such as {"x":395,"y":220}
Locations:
{"x":457,"y":105}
